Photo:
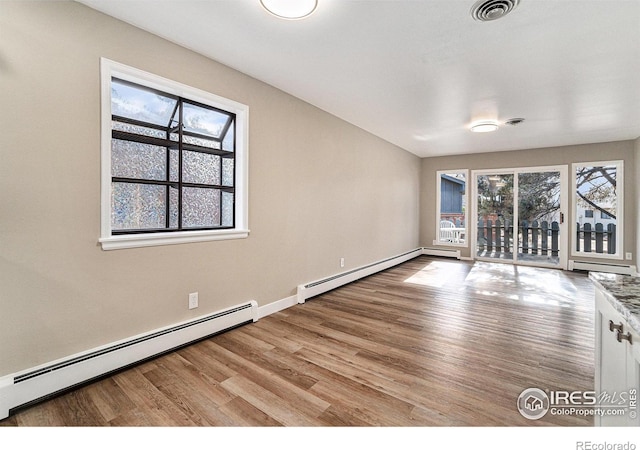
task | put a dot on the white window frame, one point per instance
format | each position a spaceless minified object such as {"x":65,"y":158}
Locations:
{"x":619,"y":210}
{"x":109,"y":241}
{"x":437,"y":240}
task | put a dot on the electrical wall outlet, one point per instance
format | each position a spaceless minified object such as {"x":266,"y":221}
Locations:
{"x":628,"y":255}
{"x":341,"y":262}
{"x":193,"y":300}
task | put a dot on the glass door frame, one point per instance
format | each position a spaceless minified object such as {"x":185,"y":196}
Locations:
{"x":563,"y":251}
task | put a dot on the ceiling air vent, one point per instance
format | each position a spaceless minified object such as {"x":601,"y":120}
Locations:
{"x":486,"y":10}
{"x":515,"y":121}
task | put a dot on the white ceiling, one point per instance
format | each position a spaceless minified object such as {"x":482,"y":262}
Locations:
{"x":418,"y":72}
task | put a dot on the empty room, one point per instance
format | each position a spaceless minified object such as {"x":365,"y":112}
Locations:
{"x":246,"y":213}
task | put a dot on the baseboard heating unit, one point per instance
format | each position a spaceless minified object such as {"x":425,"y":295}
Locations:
{"x":446,"y":252}
{"x":306,"y":291}
{"x":621,"y":269}
{"x":30,"y":386}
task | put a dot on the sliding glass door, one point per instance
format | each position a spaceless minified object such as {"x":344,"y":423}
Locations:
{"x":519,"y":216}
{"x":494,"y":216}
{"x":539,"y":217}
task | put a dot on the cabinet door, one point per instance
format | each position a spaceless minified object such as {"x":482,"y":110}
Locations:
{"x":611,"y":355}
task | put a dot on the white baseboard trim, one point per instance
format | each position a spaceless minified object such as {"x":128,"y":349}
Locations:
{"x":308,"y":290}
{"x":277,"y":306}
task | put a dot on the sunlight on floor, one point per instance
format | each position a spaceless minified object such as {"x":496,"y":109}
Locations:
{"x":531,"y":284}
{"x":434,"y":274}
{"x":514,"y":283}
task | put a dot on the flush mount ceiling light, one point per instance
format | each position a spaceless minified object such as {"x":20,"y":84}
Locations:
{"x":487,"y":10}
{"x":290,"y":9}
{"x":484,"y":127}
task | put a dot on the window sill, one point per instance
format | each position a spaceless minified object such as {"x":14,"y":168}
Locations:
{"x":594,"y":255}
{"x":156,"y":239}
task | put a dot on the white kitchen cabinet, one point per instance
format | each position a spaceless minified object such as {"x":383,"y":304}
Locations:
{"x":617,"y":364}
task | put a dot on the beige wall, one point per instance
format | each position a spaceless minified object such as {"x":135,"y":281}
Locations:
{"x":623,"y":150}
{"x":320,"y":189}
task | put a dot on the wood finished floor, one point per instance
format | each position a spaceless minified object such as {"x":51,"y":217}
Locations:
{"x":431,"y":342}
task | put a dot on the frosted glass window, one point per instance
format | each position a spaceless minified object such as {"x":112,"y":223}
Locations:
{"x":137,"y":129}
{"x":227,"y":172}
{"x":167,"y":147}
{"x":227,"y":209}
{"x":135,"y":160}
{"x":201,"y":207}
{"x":174,"y":165}
{"x":174,"y":211}
{"x":174,"y":161}
{"x":138,"y":206}
{"x":200,"y":141}
{"x":202,"y":168}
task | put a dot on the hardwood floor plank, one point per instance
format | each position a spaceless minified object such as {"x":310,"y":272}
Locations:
{"x":109,"y":399}
{"x":279,"y":340}
{"x":243,"y":413}
{"x":250,"y":369}
{"x":271,"y":404}
{"x":46,"y":414}
{"x":430,"y":342}
{"x":366,"y":403}
{"x":283,"y":370}
{"x":177,"y":371}
{"x":155,"y":408}
{"x":196,"y":397}
{"x":202,"y":359}
{"x":337,"y":416}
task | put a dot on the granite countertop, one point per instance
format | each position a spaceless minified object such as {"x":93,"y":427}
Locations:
{"x":623,"y":293}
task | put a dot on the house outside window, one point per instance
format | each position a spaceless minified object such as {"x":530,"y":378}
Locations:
{"x":598,"y":209}
{"x":174,"y":162}
{"x":451,"y":226}
{"x":606,"y":216}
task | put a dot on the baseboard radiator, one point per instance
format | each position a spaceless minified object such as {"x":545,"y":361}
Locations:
{"x":446,"y":252}
{"x":621,"y":269}
{"x":41,"y":382}
{"x":306,"y":291}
